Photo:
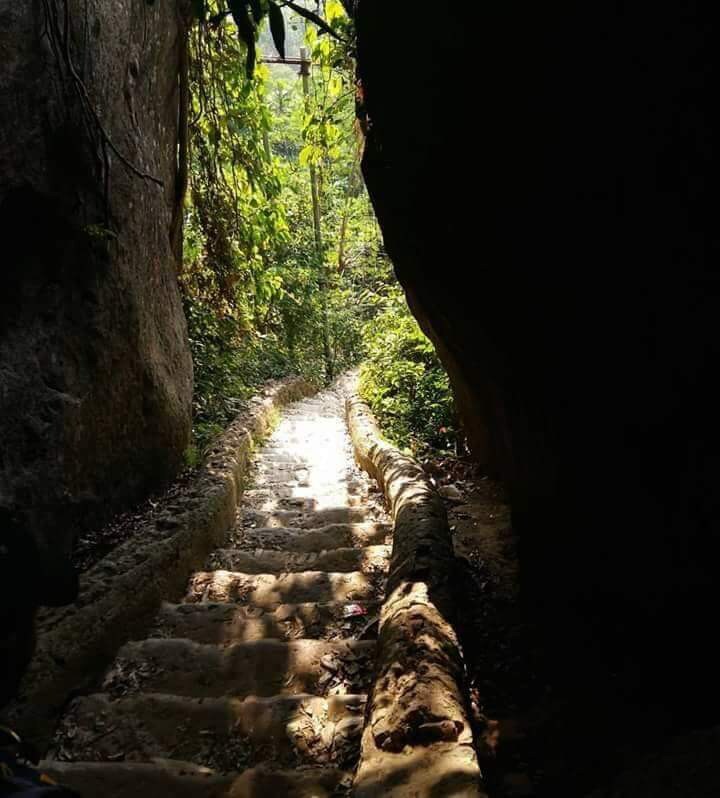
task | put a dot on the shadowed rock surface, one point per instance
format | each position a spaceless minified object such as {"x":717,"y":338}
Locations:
{"x":544,"y":178}
{"x":95,"y":371}
{"x":561,"y":251}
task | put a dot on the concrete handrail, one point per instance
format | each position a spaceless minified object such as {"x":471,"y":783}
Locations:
{"x":121,"y":593}
{"x":417,"y":739}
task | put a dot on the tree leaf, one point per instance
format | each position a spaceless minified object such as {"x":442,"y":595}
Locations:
{"x":277,"y":28}
{"x":314,"y":18}
{"x":246,"y":31}
{"x":241,"y":17}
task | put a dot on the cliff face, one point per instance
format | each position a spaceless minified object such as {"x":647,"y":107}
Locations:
{"x":543,"y":178}
{"x":95,"y":371}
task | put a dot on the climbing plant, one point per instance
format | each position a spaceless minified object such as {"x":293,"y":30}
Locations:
{"x":405,"y":384}
{"x":284,"y":269}
{"x":249,"y":16}
{"x":251,"y":279}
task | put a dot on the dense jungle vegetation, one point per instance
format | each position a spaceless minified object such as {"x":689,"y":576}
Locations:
{"x":269,"y":288}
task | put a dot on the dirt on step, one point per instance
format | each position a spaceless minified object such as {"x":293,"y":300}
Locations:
{"x":256,"y":683}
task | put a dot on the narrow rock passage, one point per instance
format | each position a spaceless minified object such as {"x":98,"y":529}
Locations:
{"x":254,"y":685}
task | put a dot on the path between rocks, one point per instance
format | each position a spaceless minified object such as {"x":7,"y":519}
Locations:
{"x":255,"y":685}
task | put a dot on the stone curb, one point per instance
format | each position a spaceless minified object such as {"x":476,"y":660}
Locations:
{"x":121,"y":593}
{"x":417,"y":738}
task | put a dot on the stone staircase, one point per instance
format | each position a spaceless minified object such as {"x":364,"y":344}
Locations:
{"x":255,"y":685}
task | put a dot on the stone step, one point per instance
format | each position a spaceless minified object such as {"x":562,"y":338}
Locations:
{"x":256,"y":686}
{"x":309,"y":415}
{"x":317,"y":410}
{"x":306,"y":519}
{"x":304,"y":422}
{"x":220,"y":624}
{"x":291,"y":489}
{"x":371,"y":559}
{"x":332,"y":406}
{"x":184,"y":780}
{"x":281,"y":458}
{"x":259,"y":667}
{"x":295,"y":485}
{"x":301,"y":435}
{"x":269,"y":590}
{"x":332,"y":536}
{"x":264,"y":501}
{"x":281,"y":481}
{"x":273,"y":466}
{"x":295,"y":440}
{"x":270,"y":504}
{"x":221,"y":733}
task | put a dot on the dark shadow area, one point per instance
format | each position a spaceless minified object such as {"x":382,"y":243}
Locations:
{"x":30,"y":577}
{"x":560,"y":248}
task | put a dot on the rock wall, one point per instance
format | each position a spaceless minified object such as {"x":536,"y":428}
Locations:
{"x":95,"y":370}
{"x":544,"y":179}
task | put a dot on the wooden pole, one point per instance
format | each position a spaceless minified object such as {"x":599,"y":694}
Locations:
{"x":305,"y":72}
{"x":327,"y":349}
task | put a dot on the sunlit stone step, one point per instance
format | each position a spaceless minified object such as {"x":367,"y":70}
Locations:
{"x":307,"y":517}
{"x":260,"y":668}
{"x":269,"y":590}
{"x":220,"y":624}
{"x":214,"y":731}
{"x":371,"y":559}
{"x":332,"y":536}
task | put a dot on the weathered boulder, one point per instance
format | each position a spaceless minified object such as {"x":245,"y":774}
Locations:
{"x":95,"y":370}
{"x":544,"y":177}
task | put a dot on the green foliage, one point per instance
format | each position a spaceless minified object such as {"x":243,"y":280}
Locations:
{"x":192,"y":456}
{"x":404,"y":383}
{"x":265,"y":295}
{"x":249,"y":16}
